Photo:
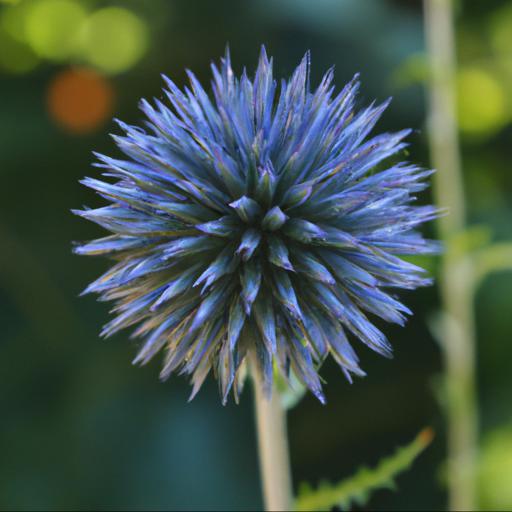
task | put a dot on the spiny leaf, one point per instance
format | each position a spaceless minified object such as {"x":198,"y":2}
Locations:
{"x":359,"y":487}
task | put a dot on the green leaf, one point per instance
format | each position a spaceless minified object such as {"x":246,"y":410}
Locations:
{"x":469,"y":240}
{"x":494,"y":258}
{"x":359,"y":487}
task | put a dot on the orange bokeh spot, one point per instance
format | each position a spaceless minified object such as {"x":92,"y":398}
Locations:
{"x":80,"y":100}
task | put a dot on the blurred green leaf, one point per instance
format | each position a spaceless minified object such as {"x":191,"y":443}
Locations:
{"x":359,"y":487}
{"x":472,"y":238}
{"x":494,"y":258}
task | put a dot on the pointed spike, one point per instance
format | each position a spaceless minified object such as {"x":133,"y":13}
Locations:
{"x":278,"y":252}
{"x":250,"y":242}
{"x":250,"y":279}
{"x":312,"y":267}
{"x":263,"y":311}
{"x":274,"y":219}
{"x":236,"y":322}
{"x":284,"y":291}
{"x":297,"y":195}
{"x":303,"y":230}
{"x":225,"y":227}
{"x":247,"y":209}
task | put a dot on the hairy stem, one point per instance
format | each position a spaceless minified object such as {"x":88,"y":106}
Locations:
{"x":273,"y":448}
{"x":457,"y":274}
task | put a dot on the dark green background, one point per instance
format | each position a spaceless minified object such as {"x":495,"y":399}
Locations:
{"x":80,"y":428}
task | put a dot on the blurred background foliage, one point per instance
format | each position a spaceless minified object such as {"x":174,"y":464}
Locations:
{"x":80,"y":427}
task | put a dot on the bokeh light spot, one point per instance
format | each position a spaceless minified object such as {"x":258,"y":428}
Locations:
{"x":52,"y":28}
{"x":15,"y":57}
{"x":114,"y":39}
{"x":482,"y":105}
{"x":80,"y":100}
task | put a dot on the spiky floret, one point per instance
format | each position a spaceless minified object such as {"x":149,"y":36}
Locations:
{"x":256,"y":221}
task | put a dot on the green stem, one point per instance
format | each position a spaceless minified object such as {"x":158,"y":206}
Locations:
{"x":272,"y":447}
{"x":457,"y":274}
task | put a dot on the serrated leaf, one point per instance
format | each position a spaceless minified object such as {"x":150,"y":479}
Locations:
{"x":359,"y":487}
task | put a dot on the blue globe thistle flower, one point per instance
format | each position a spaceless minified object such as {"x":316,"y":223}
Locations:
{"x":263,"y":219}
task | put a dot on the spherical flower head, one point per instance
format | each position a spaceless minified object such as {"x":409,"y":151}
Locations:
{"x":259,"y":220}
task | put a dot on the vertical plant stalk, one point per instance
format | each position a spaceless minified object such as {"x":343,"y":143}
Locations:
{"x":272,"y":448}
{"x":457,"y":275}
